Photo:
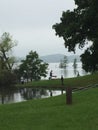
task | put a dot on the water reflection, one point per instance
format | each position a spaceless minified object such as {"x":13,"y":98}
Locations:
{"x":23,"y":94}
{"x":10,"y":95}
{"x":6,"y":94}
{"x":29,"y":93}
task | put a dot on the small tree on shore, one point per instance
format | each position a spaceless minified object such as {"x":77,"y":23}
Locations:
{"x":32,"y":67}
{"x":75,"y":64}
{"x":63,"y":62}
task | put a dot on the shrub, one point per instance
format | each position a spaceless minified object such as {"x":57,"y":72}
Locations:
{"x":7,"y":78}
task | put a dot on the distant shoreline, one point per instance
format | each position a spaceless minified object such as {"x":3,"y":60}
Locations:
{"x":58,"y":57}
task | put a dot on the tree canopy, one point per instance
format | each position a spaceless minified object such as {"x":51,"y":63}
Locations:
{"x":7,"y":60}
{"x":32,"y":67}
{"x":79,"y":27}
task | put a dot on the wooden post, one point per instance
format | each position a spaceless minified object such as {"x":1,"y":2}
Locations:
{"x":68,"y":95}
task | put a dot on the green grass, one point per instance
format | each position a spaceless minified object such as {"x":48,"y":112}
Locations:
{"x":53,"y":113}
{"x":81,"y":81}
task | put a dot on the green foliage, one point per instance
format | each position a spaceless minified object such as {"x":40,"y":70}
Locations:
{"x":90,"y":58}
{"x":78,"y":27}
{"x":7,"y":78}
{"x":7,"y":60}
{"x":33,"y":67}
{"x":6,"y":44}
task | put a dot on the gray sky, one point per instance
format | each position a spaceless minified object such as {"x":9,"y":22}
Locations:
{"x":30,"y":23}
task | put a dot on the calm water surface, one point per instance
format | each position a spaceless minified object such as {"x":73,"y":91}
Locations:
{"x":13,"y":96}
{"x":68,"y":72}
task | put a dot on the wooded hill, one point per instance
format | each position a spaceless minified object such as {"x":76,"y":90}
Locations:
{"x":58,"y":57}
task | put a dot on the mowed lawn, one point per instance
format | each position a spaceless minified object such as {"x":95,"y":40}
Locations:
{"x":53,"y":113}
{"x":76,"y":82}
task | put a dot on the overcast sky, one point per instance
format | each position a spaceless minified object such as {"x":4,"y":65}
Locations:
{"x":30,"y":23}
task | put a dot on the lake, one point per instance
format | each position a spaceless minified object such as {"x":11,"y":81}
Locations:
{"x":19,"y":95}
{"x":67,"y":72}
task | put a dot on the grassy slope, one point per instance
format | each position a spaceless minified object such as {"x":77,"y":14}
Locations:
{"x":81,"y":81}
{"x":53,"y":113}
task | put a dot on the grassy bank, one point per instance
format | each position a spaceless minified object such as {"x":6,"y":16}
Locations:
{"x":80,"y":81}
{"x":53,"y":113}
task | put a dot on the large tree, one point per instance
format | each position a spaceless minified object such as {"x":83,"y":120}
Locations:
{"x":7,"y":60}
{"x":80,"y":27}
{"x":32,"y":67}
